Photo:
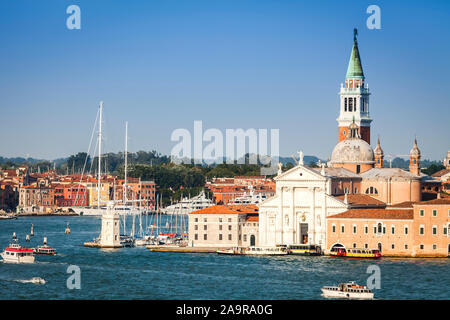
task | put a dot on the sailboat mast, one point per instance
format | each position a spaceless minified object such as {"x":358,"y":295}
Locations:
{"x":126,"y":163}
{"x":99,"y":154}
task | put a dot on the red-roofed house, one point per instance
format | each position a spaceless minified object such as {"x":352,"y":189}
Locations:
{"x":224,"y":226}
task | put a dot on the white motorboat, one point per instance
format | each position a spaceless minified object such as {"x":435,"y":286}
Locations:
{"x":349,"y":290}
{"x":37,"y":280}
{"x":15,"y":253}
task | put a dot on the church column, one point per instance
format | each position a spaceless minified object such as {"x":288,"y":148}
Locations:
{"x":279,"y":220}
{"x":323,"y":220}
{"x":292,"y":217}
{"x":312,"y":225}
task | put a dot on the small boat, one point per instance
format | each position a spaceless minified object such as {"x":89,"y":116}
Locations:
{"x":7,"y":217}
{"x":304,"y":250}
{"x":356,"y":253}
{"x":37,"y":280}
{"x":126,"y":241}
{"x":15,"y":253}
{"x":254,"y":251}
{"x":44,"y":249}
{"x":349,"y":290}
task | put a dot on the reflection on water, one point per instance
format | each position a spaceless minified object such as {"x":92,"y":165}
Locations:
{"x":136,"y":273}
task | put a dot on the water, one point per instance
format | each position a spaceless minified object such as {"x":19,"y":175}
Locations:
{"x":136,"y":273}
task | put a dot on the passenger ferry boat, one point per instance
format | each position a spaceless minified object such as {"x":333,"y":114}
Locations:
{"x":254,"y":251}
{"x":15,"y":253}
{"x":44,"y":249}
{"x":356,"y":253}
{"x":304,"y":250}
{"x":349,"y":290}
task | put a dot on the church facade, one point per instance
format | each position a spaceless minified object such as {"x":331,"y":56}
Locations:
{"x":305,"y":197}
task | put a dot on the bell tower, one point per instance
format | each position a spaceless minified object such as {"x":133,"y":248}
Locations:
{"x":414,"y":159}
{"x":354,"y":97}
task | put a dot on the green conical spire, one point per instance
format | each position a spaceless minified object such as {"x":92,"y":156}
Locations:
{"x":354,"y":69}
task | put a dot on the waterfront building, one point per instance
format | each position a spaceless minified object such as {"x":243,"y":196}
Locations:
{"x":227,"y":190}
{"x":432,"y":228}
{"x":409,"y":229}
{"x":70,"y":195}
{"x":37,"y":197}
{"x":143,"y":193}
{"x":224,"y":226}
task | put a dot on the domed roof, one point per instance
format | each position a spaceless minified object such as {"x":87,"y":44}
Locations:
{"x":354,"y":150}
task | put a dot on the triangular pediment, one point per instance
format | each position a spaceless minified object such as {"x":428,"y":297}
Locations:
{"x":299,"y":173}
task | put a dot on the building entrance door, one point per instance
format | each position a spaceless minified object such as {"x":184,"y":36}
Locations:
{"x":252,"y":240}
{"x":303,"y":233}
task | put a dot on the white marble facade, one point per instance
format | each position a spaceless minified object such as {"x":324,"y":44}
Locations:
{"x":299,"y":208}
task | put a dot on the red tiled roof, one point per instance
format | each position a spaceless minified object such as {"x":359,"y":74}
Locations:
{"x":440,"y":173}
{"x":252,"y":219}
{"x":374,"y":214}
{"x":402,"y":205}
{"x":444,"y":201}
{"x":230,"y":209}
{"x":361,"y":199}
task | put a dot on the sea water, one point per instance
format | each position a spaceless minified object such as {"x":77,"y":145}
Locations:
{"x":137,"y":273}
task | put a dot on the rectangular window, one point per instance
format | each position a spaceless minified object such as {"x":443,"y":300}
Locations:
{"x":334,"y":228}
{"x":434,"y":213}
{"x":205,"y":237}
{"x":229,"y":227}
{"x":392,"y":246}
{"x":196,"y":227}
{"x":406,"y":247}
{"x":393,"y":230}
{"x":375,"y":230}
{"x":434,"y":247}
{"x":384,"y":230}
{"x":354,"y":229}
{"x":205,"y":227}
{"x":422,"y":230}
{"x":406,"y":230}
{"x":421,"y":247}
{"x":422,"y":212}
{"x":366,"y":229}
{"x":366,"y":245}
{"x":220,"y":236}
{"x":245,"y":237}
{"x":342,"y":229}
{"x":445,"y":230}
{"x":196,"y":236}
{"x":220,"y":227}
{"x":434,"y":230}
{"x":229,"y":237}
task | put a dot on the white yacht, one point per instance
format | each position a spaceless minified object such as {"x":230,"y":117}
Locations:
{"x":187,"y":205}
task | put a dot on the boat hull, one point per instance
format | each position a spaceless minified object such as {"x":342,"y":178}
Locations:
{"x":347,"y":295}
{"x":15,"y":259}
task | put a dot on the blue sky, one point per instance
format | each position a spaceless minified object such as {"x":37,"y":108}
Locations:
{"x":161,"y":64}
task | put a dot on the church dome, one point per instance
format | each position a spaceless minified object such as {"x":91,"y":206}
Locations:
{"x":355,"y":151}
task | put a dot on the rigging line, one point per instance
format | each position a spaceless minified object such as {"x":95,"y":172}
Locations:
{"x":87,"y":155}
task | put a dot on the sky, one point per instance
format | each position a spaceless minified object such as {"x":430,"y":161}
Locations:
{"x":162,"y":64}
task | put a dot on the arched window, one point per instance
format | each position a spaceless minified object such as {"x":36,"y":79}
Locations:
{"x":345,"y":104}
{"x":371,"y":190}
